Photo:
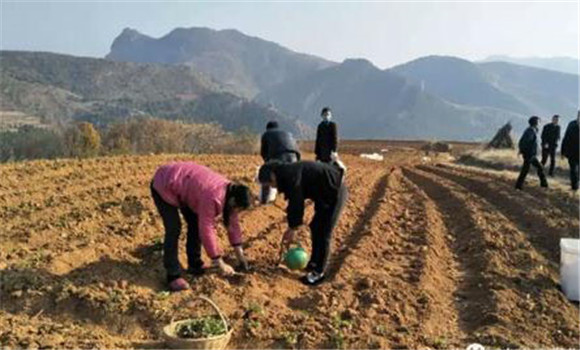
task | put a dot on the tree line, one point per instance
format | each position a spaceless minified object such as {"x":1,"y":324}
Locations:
{"x":133,"y":136}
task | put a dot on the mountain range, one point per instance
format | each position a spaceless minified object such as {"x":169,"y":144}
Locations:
{"x":560,"y":64}
{"x":244,"y":64}
{"x":60,"y":88}
{"x":225,"y":76}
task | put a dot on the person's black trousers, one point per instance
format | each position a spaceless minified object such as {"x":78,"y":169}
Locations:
{"x":172,"y":223}
{"x":526,"y":168}
{"x":549,"y":152}
{"x":573,"y":173}
{"x":321,"y":227}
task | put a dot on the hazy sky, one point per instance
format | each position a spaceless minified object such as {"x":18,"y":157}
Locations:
{"x":386,"y":33}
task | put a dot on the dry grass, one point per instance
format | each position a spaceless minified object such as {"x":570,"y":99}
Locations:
{"x":507,"y":162}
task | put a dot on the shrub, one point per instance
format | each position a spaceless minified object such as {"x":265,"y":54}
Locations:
{"x":82,"y":140}
{"x":30,"y":142}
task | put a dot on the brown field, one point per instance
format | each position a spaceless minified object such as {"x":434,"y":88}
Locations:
{"x":426,"y":254}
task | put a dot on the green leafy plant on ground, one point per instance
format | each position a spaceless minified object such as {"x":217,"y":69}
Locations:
{"x":290,"y":339}
{"x":203,"y":327}
{"x":339,"y":324}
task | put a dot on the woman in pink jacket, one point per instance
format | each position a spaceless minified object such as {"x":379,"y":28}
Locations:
{"x":201,"y":195}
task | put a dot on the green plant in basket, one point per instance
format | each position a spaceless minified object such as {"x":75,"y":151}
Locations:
{"x":203,"y":327}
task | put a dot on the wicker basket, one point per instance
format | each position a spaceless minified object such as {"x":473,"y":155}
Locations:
{"x":213,"y":343}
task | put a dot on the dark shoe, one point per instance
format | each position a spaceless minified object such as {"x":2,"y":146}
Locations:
{"x":545,"y":185}
{"x":313,"y":278}
{"x":178,"y":285}
{"x":196,"y":271}
{"x":310,"y":267}
{"x":243,"y":268}
{"x":518,"y":187}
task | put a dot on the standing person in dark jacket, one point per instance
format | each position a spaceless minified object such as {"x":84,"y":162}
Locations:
{"x":277,"y":145}
{"x":550,"y":138}
{"x":326,"y":138}
{"x":570,"y":150}
{"x":324,"y":185}
{"x":528,"y":146}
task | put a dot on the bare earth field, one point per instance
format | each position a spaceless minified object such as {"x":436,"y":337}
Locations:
{"x":426,"y":254}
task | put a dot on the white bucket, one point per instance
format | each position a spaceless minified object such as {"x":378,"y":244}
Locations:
{"x":570,"y":267}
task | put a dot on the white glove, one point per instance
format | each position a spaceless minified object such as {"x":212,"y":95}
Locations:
{"x":334,"y":156}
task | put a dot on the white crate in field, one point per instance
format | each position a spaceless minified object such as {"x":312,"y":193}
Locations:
{"x":570,"y":267}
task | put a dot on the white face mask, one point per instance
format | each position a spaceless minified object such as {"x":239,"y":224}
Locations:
{"x":327,"y":116}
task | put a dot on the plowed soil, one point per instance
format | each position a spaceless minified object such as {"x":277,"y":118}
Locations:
{"x":426,"y":254}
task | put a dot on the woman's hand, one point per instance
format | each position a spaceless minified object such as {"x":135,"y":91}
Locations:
{"x":226,"y":269}
{"x":241,"y":258}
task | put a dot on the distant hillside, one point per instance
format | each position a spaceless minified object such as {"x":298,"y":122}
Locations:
{"x":545,"y":92}
{"x":510,"y":87}
{"x":244,"y":64}
{"x":458,"y":81}
{"x":560,"y":64}
{"x":372,"y":103}
{"x":60,"y":88}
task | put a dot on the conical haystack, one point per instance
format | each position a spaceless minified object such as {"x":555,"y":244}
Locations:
{"x":503,"y":138}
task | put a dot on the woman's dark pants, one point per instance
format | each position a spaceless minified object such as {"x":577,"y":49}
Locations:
{"x":172,"y":223}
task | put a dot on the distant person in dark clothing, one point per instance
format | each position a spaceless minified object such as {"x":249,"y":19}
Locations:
{"x":324,"y":185}
{"x":570,"y":150}
{"x":528,"y":146}
{"x":550,"y":138}
{"x":276,"y":145}
{"x":326,"y":138}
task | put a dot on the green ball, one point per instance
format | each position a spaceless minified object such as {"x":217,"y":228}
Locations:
{"x":296,"y":258}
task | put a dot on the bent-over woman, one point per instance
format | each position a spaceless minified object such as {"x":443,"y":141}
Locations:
{"x":201,"y":195}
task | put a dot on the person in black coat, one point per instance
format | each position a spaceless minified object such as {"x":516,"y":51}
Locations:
{"x":550,"y":138}
{"x":324,"y":185}
{"x":326,"y":145}
{"x":570,"y":150}
{"x":278,"y":144}
{"x":528,"y":146}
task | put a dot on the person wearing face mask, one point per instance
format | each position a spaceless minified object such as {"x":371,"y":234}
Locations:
{"x":326,"y":145}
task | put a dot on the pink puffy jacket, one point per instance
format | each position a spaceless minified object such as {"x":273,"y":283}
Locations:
{"x":204,"y":192}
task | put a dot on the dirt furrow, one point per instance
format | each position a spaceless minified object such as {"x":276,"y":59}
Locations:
{"x":440,"y":274}
{"x":554,"y":201}
{"x":507,"y":295}
{"x":542,"y":222}
{"x":396,"y":279}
